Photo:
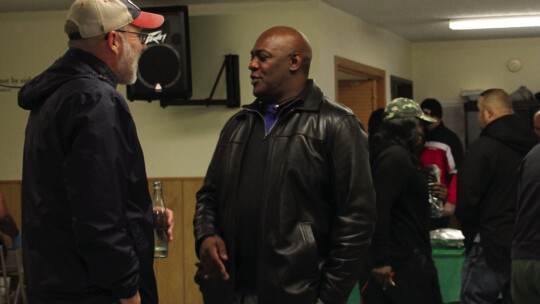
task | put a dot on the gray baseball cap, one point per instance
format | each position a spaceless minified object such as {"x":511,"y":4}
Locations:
{"x":96,"y":17}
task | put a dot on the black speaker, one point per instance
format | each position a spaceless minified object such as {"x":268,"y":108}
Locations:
{"x":165,"y":66}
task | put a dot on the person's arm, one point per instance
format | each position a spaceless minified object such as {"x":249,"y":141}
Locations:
{"x":354,"y":217}
{"x":101,"y":154}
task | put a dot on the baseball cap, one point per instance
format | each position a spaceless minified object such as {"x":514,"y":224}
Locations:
{"x":432,"y":107}
{"x":96,"y":17}
{"x":405,"y":107}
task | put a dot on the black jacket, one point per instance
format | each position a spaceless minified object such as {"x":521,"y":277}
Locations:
{"x":86,"y":211}
{"x":318,"y":207}
{"x":487,"y":185}
{"x":402,"y":228}
{"x":526,"y":243}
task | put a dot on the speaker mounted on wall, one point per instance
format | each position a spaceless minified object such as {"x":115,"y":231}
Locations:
{"x":165,"y":66}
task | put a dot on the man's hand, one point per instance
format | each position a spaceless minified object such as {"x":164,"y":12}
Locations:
{"x":170,"y":223}
{"x":439,"y":190}
{"x":136,"y":299}
{"x":212,"y":254}
{"x":384,"y":275}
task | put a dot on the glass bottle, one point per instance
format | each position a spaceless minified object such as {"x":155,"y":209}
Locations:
{"x":161,"y":239}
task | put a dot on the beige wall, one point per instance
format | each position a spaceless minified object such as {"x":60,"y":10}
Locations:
{"x":179,"y":141}
{"x":346,"y":36}
{"x":443,"y":69}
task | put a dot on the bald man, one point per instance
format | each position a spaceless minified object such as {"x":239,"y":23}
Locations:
{"x":487,"y":197}
{"x":287,"y":209}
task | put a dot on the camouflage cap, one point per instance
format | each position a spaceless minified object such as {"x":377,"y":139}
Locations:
{"x":405,"y":107}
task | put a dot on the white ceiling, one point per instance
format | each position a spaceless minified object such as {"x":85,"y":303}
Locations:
{"x":414,"y":20}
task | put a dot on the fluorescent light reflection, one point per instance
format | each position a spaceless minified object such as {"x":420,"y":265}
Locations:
{"x":496,"y":22}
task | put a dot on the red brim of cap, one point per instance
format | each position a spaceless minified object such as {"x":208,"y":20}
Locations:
{"x":148,"y":20}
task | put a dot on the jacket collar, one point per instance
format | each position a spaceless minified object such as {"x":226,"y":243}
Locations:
{"x":99,"y":68}
{"x":308,"y":100}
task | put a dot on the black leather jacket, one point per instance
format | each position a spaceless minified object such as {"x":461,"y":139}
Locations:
{"x":318,"y":206}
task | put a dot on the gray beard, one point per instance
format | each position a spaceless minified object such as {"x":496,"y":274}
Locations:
{"x":128,"y":63}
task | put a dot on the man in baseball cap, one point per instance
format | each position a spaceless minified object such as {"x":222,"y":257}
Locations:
{"x":96,"y":17}
{"x":444,"y":149}
{"x":86,"y":210}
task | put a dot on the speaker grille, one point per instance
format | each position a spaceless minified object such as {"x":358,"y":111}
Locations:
{"x":159,"y":64}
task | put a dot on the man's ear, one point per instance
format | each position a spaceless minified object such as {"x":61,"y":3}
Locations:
{"x":113,"y":41}
{"x":295,"y":62}
{"x":489,"y":112}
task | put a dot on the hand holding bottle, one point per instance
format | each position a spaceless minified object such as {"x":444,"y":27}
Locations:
{"x":170,"y":223}
{"x":162,"y":223}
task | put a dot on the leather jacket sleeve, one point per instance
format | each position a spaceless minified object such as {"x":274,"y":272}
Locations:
{"x":206,"y":210}
{"x":355,"y":214}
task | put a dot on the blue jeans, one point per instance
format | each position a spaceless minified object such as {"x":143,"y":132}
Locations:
{"x":481,"y":283}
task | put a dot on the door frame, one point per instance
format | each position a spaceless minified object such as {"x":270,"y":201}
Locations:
{"x":355,"y":68}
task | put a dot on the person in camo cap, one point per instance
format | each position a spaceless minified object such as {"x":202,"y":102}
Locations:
{"x":400,"y":261}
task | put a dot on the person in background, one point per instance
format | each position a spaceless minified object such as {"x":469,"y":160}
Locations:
{"x":375,"y":121}
{"x":9,"y":227}
{"x":536,"y":123}
{"x":402,"y":268}
{"x":86,"y":209}
{"x":487,"y":195}
{"x":525,"y":281}
{"x":287,"y":208}
{"x":444,"y":149}
{"x":7,"y":224}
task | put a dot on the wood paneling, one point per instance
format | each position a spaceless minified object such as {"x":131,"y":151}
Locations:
{"x":191,"y":289}
{"x":174,"y":274}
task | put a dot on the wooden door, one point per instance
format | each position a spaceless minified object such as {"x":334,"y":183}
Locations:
{"x":359,"y":96}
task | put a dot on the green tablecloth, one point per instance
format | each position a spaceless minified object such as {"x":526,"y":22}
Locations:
{"x":448,"y":263}
{"x":354,"y":298}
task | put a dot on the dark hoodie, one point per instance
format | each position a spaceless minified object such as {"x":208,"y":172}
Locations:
{"x":487,"y":186}
{"x":86,"y":209}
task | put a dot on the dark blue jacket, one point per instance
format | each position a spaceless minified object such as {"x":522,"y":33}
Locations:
{"x":86,"y":209}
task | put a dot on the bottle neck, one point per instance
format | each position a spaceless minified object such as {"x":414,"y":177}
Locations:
{"x":157,"y":201}
{"x":158,"y":193}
